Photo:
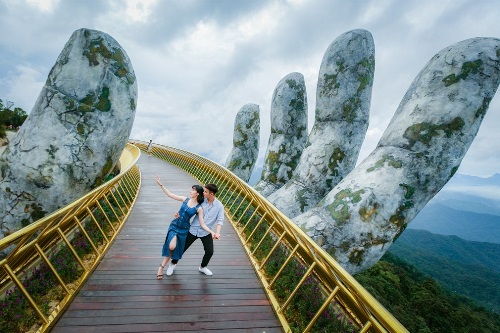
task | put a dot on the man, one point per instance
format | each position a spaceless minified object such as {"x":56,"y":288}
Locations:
{"x":213,"y":214}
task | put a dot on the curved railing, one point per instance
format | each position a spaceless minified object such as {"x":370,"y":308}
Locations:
{"x":307,"y":288}
{"x":50,"y":259}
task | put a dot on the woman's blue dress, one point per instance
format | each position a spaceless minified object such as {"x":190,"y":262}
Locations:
{"x":179,"y":227}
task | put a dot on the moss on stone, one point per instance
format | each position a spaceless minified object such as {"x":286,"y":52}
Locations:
{"x":409,"y":191}
{"x":272,"y":160}
{"x":97,"y":47}
{"x":334,"y":161}
{"x":79,"y":129}
{"x":298,"y":102}
{"x":339,"y":208}
{"x":349,"y":108}
{"x":103,"y":103}
{"x":132,"y":104}
{"x":467,"y":68}
{"x":253,"y":119}
{"x":36,"y":213}
{"x":483,"y":108}
{"x":70,"y":103}
{"x":292,"y":84}
{"x":302,"y":196}
{"x":330,"y":84}
{"x":398,"y":218}
{"x":244,"y":136}
{"x":332,"y":251}
{"x":51,"y":151}
{"x":356,"y":256}
{"x":425,"y":132}
{"x":107,"y":167}
{"x":366,"y":79}
{"x":87,"y":100}
{"x":386,"y":160}
{"x":234,"y":164}
{"x":366,"y":212}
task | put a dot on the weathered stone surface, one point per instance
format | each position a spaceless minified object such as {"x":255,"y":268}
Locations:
{"x":342,"y":109}
{"x":243,"y":155}
{"x":75,"y":133}
{"x":288,"y":133}
{"x":419,"y":152}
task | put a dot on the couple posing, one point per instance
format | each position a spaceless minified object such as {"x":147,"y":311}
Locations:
{"x":207,"y":211}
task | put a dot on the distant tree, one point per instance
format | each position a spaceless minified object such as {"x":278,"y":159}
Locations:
{"x":10,"y":117}
{"x":3,"y":134}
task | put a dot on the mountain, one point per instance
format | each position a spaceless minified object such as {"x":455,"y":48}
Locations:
{"x":465,"y":267}
{"x":466,"y":180}
{"x":449,"y":248}
{"x":441,"y":219}
{"x":467,"y":207}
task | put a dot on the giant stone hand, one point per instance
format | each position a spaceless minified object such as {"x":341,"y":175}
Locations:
{"x":74,"y":134}
{"x":367,"y":208}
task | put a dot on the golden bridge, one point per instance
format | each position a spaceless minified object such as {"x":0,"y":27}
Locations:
{"x":91,"y":266}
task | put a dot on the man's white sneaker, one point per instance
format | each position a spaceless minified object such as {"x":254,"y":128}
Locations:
{"x":204,"y":270}
{"x":170,"y":269}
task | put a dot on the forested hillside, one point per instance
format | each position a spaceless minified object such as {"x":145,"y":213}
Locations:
{"x":467,"y":268}
{"x":421,"y":304}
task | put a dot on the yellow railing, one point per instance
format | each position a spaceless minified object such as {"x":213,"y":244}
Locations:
{"x":49,"y":260}
{"x":299,"y":277}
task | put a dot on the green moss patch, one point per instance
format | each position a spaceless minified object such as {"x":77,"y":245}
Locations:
{"x":469,"y":67}
{"x":425,"y":132}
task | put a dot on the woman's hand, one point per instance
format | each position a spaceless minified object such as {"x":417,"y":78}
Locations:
{"x":158,"y":181}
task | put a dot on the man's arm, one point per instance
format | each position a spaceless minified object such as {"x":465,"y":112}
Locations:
{"x":219,"y":222}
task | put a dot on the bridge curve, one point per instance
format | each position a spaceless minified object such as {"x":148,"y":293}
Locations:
{"x":49,"y":277}
{"x":123,"y":295}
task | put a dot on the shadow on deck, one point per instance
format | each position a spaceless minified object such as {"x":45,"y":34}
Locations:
{"x":123,"y":295}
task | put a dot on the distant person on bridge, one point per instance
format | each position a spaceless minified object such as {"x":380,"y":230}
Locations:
{"x":150,"y":147}
{"x":213,"y":214}
{"x":179,"y":227}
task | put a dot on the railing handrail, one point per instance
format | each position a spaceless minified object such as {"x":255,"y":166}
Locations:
{"x":362,"y":307}
{"x":95,"y":219}
{"x":41,"y":222}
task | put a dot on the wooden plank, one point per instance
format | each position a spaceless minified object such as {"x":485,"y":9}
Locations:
{"x":123,"y":295}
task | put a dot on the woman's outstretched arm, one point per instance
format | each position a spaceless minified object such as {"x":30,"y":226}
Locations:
{"x":167,"y":192}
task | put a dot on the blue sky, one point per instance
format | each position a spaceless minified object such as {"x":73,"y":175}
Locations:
{"x":198,"y":62}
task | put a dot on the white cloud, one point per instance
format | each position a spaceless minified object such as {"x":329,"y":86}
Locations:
{"x":46,"y":6}
{"x":197,"y":63}
{"x":24,"y":85}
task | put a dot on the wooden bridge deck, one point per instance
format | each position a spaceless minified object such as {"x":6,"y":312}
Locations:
{"x":123,"y":295}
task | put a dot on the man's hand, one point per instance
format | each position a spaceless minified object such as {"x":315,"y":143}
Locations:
{"x":176,"y":215}
{"x":216,"y":236}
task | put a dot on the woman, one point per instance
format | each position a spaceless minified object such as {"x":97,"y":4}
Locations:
{"x":177,"y":232}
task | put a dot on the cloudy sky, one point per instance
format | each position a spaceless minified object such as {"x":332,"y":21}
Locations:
{"x":198,"y":62}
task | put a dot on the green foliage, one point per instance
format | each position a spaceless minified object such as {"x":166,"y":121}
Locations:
{"x":3,"y":134}
{"x":10,"y":117}
{"x":468,"y":268}
{"x":309,"y":297}
{"x":16,"y":314}
{"x":420,"y":303}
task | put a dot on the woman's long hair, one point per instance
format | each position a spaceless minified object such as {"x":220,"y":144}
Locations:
{"x":200,"y":198}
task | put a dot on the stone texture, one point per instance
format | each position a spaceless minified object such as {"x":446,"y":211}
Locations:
{"x":342,"y":109}
{"x":243,"y":155}
{"x":419,"y":152}
{"x":288,"y":133}
{"x":74,"y":134}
